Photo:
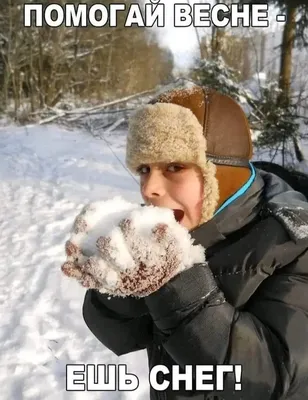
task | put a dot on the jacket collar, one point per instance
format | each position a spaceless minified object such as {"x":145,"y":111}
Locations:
{"x":235,"y":216}
{"x":268,"y":194}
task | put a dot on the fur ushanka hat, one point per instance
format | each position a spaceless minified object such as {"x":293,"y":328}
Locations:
{"x":196,"y":125}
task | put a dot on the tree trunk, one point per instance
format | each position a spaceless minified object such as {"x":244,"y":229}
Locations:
{"x":217,"y":38}
{"x":31,"y":76}
{"x":246,"y":67}
{"x":286,"y":69}
{"x":286,"y":56}
{"x":217,"y":41}
{"x":200,"y":44}
{"x":262,"y":51}
{"x":40,"y":72}
{"x":201,"y":47}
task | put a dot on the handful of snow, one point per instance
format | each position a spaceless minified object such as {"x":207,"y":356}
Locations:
{"x":97,"y":219}
{"x":101,"y":221}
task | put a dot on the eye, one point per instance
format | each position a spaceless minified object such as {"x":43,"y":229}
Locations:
{"x":175,"y":167}
{"x":143,"y":169}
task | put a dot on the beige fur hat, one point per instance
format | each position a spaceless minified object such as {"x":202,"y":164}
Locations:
{"x":178,"y":126}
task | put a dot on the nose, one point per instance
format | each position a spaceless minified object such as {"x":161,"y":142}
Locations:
{"x":153,"y":185}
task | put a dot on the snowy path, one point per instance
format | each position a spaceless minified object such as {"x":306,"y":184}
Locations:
{"x":46,"y":175}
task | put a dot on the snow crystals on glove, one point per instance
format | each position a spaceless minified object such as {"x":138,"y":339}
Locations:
{"x":98,"y":219}
{"x":106,"y":253}
{"x":144,"y":219}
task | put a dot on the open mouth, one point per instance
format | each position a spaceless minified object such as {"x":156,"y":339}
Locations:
{"x":178,"y":215}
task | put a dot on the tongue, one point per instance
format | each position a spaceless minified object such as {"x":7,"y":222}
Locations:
{"x":178,"y":215}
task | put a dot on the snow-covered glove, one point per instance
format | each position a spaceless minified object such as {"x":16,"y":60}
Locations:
{"x":94,"y":220}
{"x":72,"y":267}
{"x":138,"y":264}
{"x":141,"y":253}
{"x":78,"y":249}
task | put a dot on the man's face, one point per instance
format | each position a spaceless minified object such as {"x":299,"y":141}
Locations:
{"x":176,"y":186}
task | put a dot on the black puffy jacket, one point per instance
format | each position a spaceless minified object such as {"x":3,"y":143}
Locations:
{"x":257,"y":250}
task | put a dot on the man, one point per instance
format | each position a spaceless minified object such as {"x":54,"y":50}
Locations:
{"x":248,"y":304}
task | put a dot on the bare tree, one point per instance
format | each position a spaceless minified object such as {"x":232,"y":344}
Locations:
{"x":40,"y":66}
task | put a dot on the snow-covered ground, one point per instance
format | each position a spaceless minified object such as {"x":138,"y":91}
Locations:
{"x":46,"y":175}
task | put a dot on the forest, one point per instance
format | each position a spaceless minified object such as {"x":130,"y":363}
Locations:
{"x":50,"y":68}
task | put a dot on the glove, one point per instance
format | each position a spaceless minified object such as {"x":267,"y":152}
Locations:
{"x":87,"y":227}
{"x":131,"y":261}
{"x":76,"y":257}
{"x":149,"y":263}
{"x":79,"y":248}
{"x":73,"y":266}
